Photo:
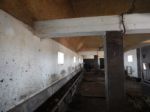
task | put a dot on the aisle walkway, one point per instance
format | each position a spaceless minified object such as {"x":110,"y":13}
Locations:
{"x":91,"y":95}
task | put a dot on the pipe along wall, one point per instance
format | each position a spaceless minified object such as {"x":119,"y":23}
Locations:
{"x":28,"y":65}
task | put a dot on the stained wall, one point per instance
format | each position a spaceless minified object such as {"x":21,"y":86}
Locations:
{"x":28,"y":64}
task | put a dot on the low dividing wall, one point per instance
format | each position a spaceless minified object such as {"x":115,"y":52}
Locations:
{"x":35,"y":101}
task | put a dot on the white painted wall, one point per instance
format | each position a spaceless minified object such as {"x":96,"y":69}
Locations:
{"x":90,"y":54}
{"x":132,"y":64}
{"x":28,"y":65}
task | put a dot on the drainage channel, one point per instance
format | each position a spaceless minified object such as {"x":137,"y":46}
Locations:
{"x":60,"y":100}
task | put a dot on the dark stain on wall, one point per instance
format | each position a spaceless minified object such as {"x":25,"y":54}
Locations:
{"x":11,"y":79}
{"x":2,"y":80}
{"x":63,"y":72}
{"x":54,"y":77}
{"x":23,"y":96}
{"x":26,"y":95}
{"x":13,"y":60}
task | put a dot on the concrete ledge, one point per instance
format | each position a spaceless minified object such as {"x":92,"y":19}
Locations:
{"x":34,"y":102}
{"x":62,"y":105}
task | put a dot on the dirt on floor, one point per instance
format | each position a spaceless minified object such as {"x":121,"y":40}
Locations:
{"x":91,"y":95}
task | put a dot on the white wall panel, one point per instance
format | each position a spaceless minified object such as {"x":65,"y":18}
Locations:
{"x":28,"y":65}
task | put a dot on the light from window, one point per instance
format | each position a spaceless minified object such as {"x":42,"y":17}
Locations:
{"x":60,"y":58}
{"x":130,"y":58}
{"x":74,"y":59}
{"x":144,"y":66}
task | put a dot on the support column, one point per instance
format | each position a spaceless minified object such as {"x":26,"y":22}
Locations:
{"x":139,"y":65}
{"x":114,"y":71}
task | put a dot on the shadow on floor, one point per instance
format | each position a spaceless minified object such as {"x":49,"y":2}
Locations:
{"x":91,"y":95}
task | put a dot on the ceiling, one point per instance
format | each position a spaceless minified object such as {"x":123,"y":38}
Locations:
{"x":30,"y":11}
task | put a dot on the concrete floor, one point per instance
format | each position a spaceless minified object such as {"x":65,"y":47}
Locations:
{"x":91,"y":94}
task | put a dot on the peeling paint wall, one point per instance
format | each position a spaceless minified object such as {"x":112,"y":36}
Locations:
{"x":133,"y":64}
{"x":28,"y":65}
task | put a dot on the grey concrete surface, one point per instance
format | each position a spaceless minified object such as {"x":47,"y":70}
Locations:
{"x":28,"y":65}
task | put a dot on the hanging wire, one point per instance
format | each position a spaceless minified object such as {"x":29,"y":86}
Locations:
{"x":123,"y":24}
{"x":132,"y":7}
{"x":129,"y":11}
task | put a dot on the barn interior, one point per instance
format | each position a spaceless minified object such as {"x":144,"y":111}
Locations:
{"x":74,"y":56}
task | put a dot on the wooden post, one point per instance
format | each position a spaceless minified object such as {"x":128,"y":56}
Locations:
{"x":114,"y":71}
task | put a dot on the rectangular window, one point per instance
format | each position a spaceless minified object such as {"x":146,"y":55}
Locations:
{"x":74,"y":59}
{"x":60,"y":58}
{"x":130,"y":58}
{"x":144,"y":66}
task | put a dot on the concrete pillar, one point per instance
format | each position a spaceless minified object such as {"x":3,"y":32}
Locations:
{"x":114,"y":71}
{"x":139,"y":65}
